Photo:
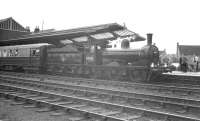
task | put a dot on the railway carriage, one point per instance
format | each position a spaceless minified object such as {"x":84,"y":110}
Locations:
{"x":23,"y":58}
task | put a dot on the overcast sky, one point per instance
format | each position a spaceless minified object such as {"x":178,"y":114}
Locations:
{"x":170,"y":21}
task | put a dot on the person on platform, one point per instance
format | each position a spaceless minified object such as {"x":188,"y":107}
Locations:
{"x":196,"y":61}
{"x":180,"y":64}
{"x":184,"y":66}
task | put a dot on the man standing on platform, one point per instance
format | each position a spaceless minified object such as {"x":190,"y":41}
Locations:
{"x":180,"y":63}
{"x":196,"y":60}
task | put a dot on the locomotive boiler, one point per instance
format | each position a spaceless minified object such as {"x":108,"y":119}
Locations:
{"x":146,"y":56}
{"x":77,"y":61}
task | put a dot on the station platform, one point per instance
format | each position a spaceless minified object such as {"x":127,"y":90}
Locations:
{"x":180,"y":73}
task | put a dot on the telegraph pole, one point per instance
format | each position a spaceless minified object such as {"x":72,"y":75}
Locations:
{"x":42,"y":24}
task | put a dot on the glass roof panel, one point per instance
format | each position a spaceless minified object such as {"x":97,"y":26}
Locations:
{"x":105,"y":35}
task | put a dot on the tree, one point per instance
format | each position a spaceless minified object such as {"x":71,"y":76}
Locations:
{"x":37,"y":29}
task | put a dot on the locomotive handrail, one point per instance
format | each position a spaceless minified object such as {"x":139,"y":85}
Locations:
{"x":100,"y":66}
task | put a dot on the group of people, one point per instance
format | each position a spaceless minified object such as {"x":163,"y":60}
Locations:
{"x":184,"y":66}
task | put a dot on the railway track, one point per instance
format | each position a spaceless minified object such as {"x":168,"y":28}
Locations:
{"x":179,"y":79}
{"x":191,"y":91}
{"x":104,"y":108}
{"x":164,"y":80}
{"x":123,"y":105}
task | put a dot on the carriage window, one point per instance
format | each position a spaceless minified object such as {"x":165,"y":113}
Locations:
{"x":35,"y":52}
{"x":13,"y":52}
{"x":16,"y":52}
{"x":10,"y":52}
{"x":1,"y":53}
{"x":4,"y":53}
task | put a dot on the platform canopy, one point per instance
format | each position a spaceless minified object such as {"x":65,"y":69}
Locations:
{"x":86,"y":35}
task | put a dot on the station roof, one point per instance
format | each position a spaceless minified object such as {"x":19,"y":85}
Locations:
{"x":189,"y":49}
{"x":11,"y":24}
{"x":94,"y":34}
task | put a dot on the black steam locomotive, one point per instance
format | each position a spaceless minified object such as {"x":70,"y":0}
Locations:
{"x":91,"y":62}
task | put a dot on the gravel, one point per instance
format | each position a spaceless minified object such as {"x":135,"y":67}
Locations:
{"x":9,"y":112}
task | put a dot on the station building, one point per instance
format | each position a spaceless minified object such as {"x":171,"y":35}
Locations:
{"x":190,"y":54}
{"x":9,"y":28}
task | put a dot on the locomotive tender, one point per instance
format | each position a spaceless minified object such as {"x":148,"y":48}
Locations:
{"x":93,"y":62}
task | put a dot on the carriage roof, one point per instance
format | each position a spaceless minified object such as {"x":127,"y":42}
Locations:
{"x":24,"y":46}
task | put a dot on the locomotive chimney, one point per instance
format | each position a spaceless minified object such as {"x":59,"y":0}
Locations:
{"x":149,"y":39}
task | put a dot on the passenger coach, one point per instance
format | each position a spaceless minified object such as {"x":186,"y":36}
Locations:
{"x":23,"y":57}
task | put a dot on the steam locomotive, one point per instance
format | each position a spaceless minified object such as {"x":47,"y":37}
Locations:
{"x":92,"y":62}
